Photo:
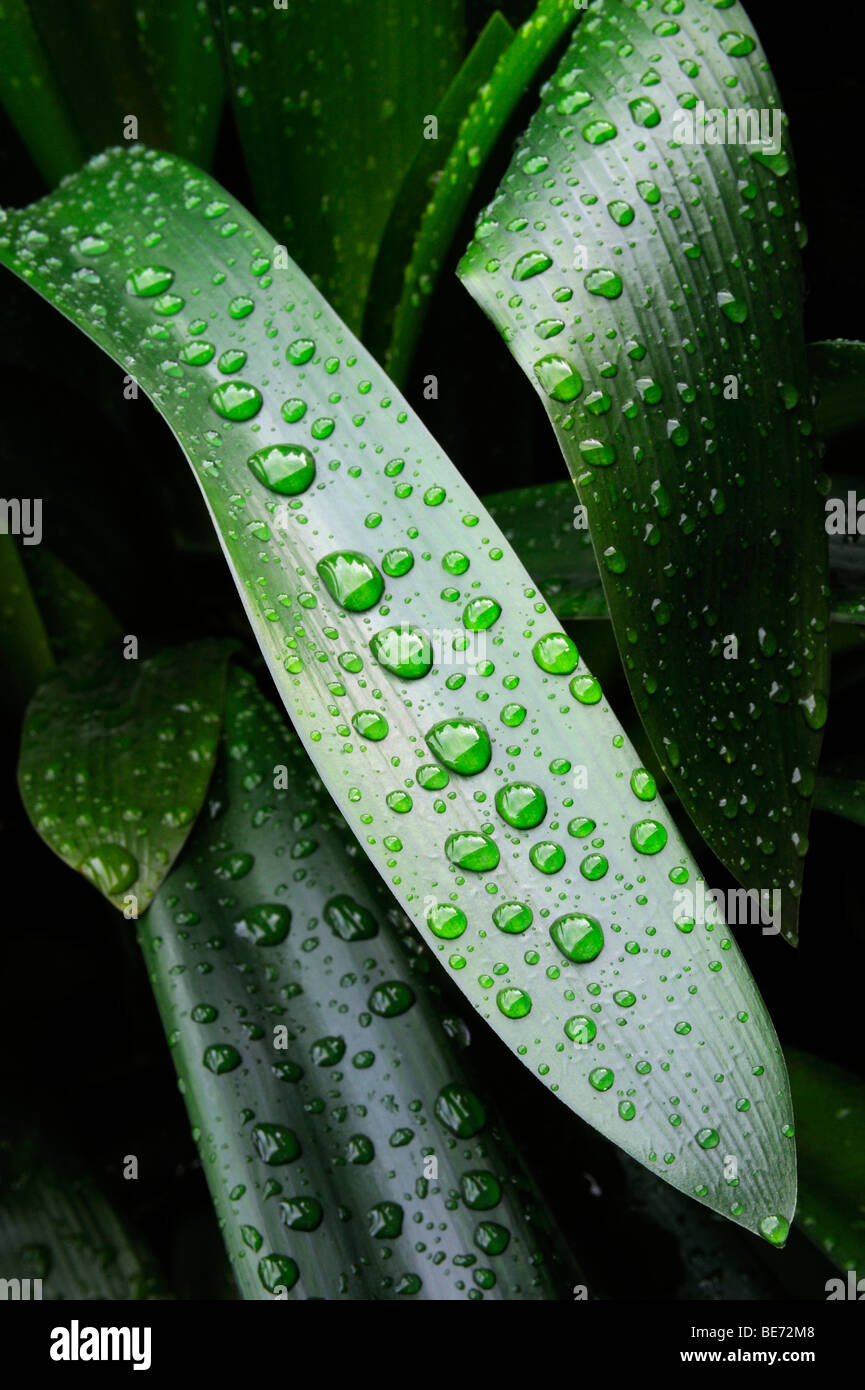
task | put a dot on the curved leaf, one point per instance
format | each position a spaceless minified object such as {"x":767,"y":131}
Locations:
{"x":391,"y":272}
{"x":359,"y":553}
{"x":116,"y":757}
{"x":649,"y":285}
{"x":348,"y":1151}
{"x":392,"y":339}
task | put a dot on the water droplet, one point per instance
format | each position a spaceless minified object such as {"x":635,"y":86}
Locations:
{"x":481,"y":613}
{"x":578,"y":936}
{"x":284,"y":468}
{"x":348,"y":920}
{"x":513,"y":1002}
{"x":370,"y":725}
{"x":471,"y":850}
{"x":775,"y":1229}
{"x":220,"y":1057}
{"x":275,"y":1144}
{"x":397,"y":562}
{"x":648,"y":836}
{"x":351,"y":579}
{"x":521,"y":804}
{"x":149,"y":280}
{"x":405,"y":650}
{"x":463,"y":745}
{"x":531,"y":263}
{"x":460,"y":1111}
{"x":556,"y":653}
{"x":300,"y":351}
{"x":597,"y":132}
{"x":643,"y":784}
{"x":265,"y":924}
{"x":391,"y":999}
{"x":111,"y":868}
{"x":446,"y":921}
{"x":236,"y":400}
{"x":601,"y":1078}
{"x":733,"y":308}
{"x":558,"y":378}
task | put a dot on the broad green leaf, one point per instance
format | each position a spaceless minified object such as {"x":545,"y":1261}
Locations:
{"x":838,"y":367}
{"x":487,"y":117}
{"x":650,"y":288}
{"x":116,"y":756}
{"x":321,"y":1068}
{"x":830,"y":1130}
{"x":497,"y":794}
{"x":57,"y":1226}
{"x":25,"y":652}
{"x":330,"y":99}
{"x":393,"y":273}
{"x":75,"y":618}
{"x":542,"y":524}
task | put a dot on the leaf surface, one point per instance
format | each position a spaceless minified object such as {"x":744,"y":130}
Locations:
{"x":649,"y":284}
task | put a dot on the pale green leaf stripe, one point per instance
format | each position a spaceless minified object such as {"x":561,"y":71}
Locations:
{"x":684,"y":1046}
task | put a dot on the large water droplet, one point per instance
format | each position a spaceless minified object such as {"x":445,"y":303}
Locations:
{"x":352,"y":579}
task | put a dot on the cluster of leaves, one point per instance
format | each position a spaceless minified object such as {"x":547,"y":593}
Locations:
{"x":459,"y":814}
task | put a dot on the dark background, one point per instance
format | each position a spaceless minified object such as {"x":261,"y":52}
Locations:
{"x":83,"y":1055}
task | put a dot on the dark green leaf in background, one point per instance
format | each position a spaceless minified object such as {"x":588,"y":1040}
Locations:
{"x":73,"y":73}
{"x":58,"y":1227}
{"x":391,"y":327}
{"x":839,"y":371}
{"x":116,"y":757}
{"x":830,"y":1130}
{"x":636,"y":277}
{"x":330,"y":98}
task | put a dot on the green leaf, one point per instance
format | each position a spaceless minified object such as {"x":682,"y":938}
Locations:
{"x":57,"y":1226}
{"x":838,"y":367}
{"x":830,"y":1130}
{"x":75,"y":618}
{"x":330,"y":100}
{"x":393,"y":274}
{"x":160,"y":68}
{"x":336,"y":537}
{"x":25,"y":652}
{"x":31,"y":97}
{"x":841,"y":796}
{"x":541,"y":523}
{"x":636,"y":278}
{"x":116,"y":756}
{"x":320,"y":1064}
{"x":392,"y":337}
